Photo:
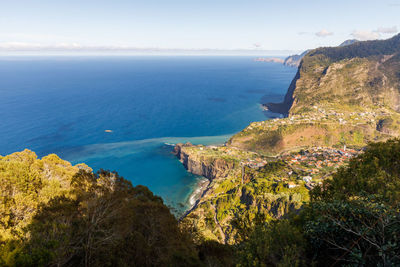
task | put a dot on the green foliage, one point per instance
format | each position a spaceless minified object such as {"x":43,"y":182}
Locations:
{"x":266,"y":140}
{"x":278,"y":243}
{"x":27,"y":182}
{"x":359,"y":49}
{"x":212,"y":253}
{"x":91,"y":219}
{"x":354,"y":217}
{"x":352,"y":220}
{"x":359,"y":232}
{"x":74,"y":217}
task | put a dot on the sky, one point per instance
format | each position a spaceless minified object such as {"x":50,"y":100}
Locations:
{"x":277,"y":26}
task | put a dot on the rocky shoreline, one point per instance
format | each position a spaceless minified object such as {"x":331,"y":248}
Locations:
{"x":194,"y":199}
{"x":207,"y":167}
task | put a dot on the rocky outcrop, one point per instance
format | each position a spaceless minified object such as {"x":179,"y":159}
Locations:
{"x":284,"y":107}
{"x":203,"y":165}
{"x":294,"y":60}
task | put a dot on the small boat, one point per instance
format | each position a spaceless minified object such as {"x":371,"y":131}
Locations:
{"x":169,"y":144}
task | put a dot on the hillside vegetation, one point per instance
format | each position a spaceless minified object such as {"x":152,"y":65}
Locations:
{"x":56,"y":214}
{"x":86,"y":219}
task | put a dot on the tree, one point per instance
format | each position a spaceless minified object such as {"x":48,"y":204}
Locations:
{"x":364,"y":231}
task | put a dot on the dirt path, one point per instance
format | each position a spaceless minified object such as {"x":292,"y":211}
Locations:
{"x":219,"y":225}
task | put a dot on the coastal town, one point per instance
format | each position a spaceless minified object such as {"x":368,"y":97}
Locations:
{"x":311,"y":165}
{"x":307,"y":167}
{"x":322,"y":115}
{"x":318,"y":162}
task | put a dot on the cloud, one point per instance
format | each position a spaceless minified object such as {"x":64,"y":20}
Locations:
{"x":71,"y":48}
{"x":323,"y":33}
{"x":365,"y":35}
{"x":21,"y":46}
{"x":387,"y":29}
{"x":373,"y":35}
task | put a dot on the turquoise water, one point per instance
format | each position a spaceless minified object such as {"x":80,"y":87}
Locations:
{"x":64,"y":105}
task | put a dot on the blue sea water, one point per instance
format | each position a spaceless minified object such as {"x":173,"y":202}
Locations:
{"x":64,"y":105}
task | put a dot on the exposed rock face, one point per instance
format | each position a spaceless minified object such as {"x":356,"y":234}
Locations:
{"x":385,"y":125}
{"x":294,"y":60}
{"x":209,"y":167}
{"x":285,"y":106}
{"x":357,"y":73}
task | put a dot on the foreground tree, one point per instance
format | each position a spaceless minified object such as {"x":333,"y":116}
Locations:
{"x":362,"y":232}
{"x":104,"y":222}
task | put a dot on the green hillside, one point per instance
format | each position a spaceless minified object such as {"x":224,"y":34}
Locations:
{"x":56,"y":214}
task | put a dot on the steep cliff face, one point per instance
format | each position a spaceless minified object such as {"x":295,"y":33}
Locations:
{"x":285,"y":106}
{"x":363,"y":75}
{"x":294,"y":60}
{"x":340,"y":95}
{"x":356,"y":75}
{"x":202,"y":164}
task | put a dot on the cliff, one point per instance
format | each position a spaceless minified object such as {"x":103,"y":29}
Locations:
{"x":294,"y":60}
{"x":285,"y":106}
{"x":340,"y":95}
{"x":203,"y":164}
{"x":360,"y":76}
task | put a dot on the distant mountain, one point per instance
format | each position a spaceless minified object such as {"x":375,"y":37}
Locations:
{"x":348,"y":42}
{"x":294,"y":60}
{"x":269,"y":59}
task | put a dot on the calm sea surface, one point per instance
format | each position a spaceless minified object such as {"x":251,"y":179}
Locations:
{"x":64,"y":105}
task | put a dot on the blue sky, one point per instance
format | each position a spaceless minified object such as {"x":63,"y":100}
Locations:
{"x":187,"y":24}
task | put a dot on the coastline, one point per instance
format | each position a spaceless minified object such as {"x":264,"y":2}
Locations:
{"x":203,"y":185}
{"x":199,"y":191}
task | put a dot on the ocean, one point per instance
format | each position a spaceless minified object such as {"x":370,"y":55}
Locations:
{"x":125,"y":113}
